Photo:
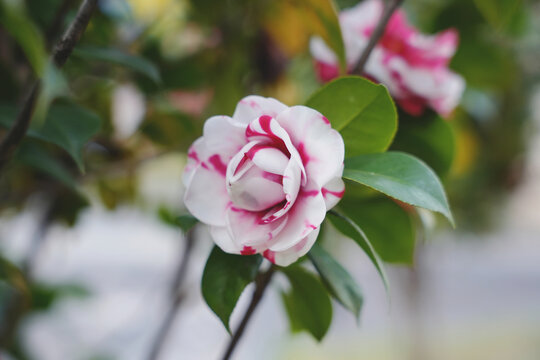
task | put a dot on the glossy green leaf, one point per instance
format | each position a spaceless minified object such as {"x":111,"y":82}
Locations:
{"x":428,"y":137}
{"x":387,"y":225}
{"x":337,"y":280}
{"x":402,"y":177}
{"x":115,"y":56}
{"x":225,"y":278}
{"x":14,"y":19}
{"x":351,"y":230}
{"x":307,"y":303}
{"x":362,"y":111}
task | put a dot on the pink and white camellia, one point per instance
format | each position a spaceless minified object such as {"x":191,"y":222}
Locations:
{"x":264,"y":178}
{"x":413,"y":66}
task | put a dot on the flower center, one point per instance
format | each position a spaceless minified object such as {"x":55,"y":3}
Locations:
{"x":257,"y":182}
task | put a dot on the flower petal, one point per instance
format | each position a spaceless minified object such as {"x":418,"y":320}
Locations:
{"x":289,"y":256}
{"x":321,"y":148}
{"x":222,"y":136}
{"x":251,"y":107}
{"x":305,"y":216}
{"x":221,"y":237}
{"x":206,"y":196}
{"x":247,"y":230}
{"x":333,"y":191}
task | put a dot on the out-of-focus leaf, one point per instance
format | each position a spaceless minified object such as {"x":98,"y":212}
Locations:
{"x":54,"y":85}
{"x":362,"y":111}
{"x":68,"y":205}
{"x":115,"y":190}
{"x":348,"y":228}
{"x":428,"y":137}
{"x":36,"y":156}
{"x":225,"y":278}
{"x":386,"y":224}
{"x":44,"y":296}
{"x":499,"y":13}
{"x":185,"y":222}
{"x":70,"y":127}
{"x":470,"y":62}
{"x":66,"y":125}
{"x":135,"y":63}
{"x":337,"y":279}
{"x":307,"y":303}
{"x":307,"y":17}
{"x":402,"y":177}
{"x":14,"y":19}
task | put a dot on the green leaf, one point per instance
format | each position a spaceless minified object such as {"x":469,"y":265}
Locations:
{"x":363,"y":112}
{"x":70,"y":127}
{"x":66,"y":125}
{"x":393,"y":240}
{"x":348,"y":228}
{"x":337,"y":280}
{"x":14,"y":19}
{"x":307,"y":303}
{"x":36,"y":156}
{"x":185,"y":222}
{"x":499,"y":13}
{"x":326,"y":12}
{"x":402,"y":177}
{"x":225,"y":278}
{"x":118,"y":57}
{"x":428,"y":137}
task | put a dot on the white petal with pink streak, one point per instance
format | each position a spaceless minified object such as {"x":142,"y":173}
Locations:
{"x":246,"y":229}
{"x":251,"y":107}
{"x":305,"y":216}
{"x":206,"y":196}
{"x":289,"y":256}
{"x":321,"y":148}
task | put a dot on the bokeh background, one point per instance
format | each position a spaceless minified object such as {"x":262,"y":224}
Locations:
{"x":94,"y":254}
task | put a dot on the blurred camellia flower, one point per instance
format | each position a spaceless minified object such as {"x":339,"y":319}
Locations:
{"x":412,"y":65}
{"x":264,"y":178}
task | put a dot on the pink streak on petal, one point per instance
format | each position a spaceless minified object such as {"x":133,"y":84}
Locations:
{"x":338,"y":194}
{"x":273,"y":177}
{"x":270,"y":255}
{"x":326,"y":72}
{"x":303,"y":155}
{"x":325,"y":119}
{"x":248,"y":250}
{"x":215,"y":160}
{"x":309,"y":193}
{"x":192,"y":154}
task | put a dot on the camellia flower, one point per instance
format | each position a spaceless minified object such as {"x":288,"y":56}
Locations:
{"x":264,"y":179}
{"x":413,"y":66}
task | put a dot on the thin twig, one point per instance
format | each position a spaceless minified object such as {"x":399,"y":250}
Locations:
{"x":261,"y":283}
{"x":388,"y":11}
{"x":60,"y":55}
{"x":57,"y":22}
{"x":177,"y":296}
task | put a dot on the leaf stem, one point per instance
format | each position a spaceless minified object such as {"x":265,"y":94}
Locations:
{"x":61,"y":53}
{"x":389,"y":8}
{"x":261,"y":283}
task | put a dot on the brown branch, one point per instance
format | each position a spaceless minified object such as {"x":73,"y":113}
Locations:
{"x":262,"y":281}
{"x":60,"y":55}
{"x":177,"y":295}
{"x":389,"y":8}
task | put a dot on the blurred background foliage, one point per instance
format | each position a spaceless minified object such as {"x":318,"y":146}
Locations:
{"x":146,"y":74}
